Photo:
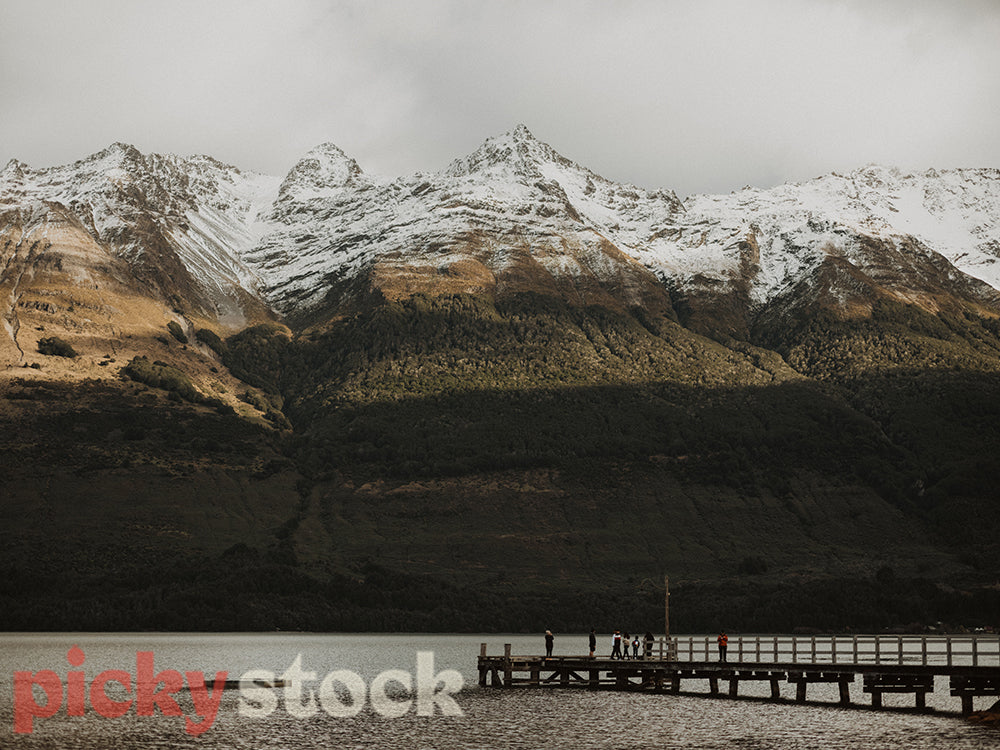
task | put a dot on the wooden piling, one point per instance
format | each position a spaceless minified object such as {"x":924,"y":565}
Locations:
{"x":845,"y":692}
{"x":775,"y":687}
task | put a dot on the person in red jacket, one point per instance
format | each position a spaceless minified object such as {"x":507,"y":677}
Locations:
{"x":723,"y":641}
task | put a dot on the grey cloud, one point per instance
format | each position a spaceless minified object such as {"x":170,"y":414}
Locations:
{"x":696,"y":96}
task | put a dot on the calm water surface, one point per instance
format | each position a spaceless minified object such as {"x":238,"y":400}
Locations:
{"x":491,"y":718}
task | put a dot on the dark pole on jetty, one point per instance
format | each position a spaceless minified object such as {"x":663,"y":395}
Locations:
{"x":666,"y":605}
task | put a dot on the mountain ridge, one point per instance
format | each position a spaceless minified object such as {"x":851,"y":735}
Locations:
{"x":510,"y":375}
{"x":286,"y":240}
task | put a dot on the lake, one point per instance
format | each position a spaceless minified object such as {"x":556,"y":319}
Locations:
{"x":489,"y":718}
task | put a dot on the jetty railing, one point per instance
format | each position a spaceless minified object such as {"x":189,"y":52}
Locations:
{"x":973,"y":650}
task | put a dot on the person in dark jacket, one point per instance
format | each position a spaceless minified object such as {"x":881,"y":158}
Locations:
{"x":593,"y":643}
{"x":549,"y":640}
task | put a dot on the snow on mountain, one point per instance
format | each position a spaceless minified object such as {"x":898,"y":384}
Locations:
{"x":206,"y":211}
{"x":955,"y":213}
{"x":481,"y":219}
{"x":324,"y":171}
{"x":515,"y":192}
{"x":220,"y":225}
{"x":512,"y":210}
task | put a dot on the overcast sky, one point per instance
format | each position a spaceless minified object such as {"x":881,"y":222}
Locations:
{"x":692,"y":95}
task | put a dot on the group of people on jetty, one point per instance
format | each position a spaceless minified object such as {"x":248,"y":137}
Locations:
{"x":620,"y":645}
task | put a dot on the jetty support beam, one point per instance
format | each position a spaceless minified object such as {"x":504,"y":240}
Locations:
{"x":968,"y":687}
{"x":919,"y":685}
{"x":802,"y":679}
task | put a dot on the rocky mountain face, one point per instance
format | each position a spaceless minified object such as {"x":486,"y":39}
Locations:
{"x":511,"y":369}
{"x":217,"y":243}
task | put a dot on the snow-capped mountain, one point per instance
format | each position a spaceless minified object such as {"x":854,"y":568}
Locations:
{"x":510,"y":215}
{"x":955,"y":214}
{"x":514,"y":215}
{"x":190,"y":217}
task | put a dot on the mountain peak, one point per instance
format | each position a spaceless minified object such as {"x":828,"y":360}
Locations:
{"x":14,"y":168}
{"x":327,"y":150}
{"x":119,"y":153}
{"x":521,"y":132}
{"x":517,"y":151}
{"x":324,"y":167}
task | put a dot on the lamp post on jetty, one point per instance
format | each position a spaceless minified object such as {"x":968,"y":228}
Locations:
{"x":666,"y":606}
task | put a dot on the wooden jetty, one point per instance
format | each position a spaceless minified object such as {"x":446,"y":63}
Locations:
{"x":886,"y":664}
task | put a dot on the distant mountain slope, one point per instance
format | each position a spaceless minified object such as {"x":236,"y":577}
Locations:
{"x":181,"y":226}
